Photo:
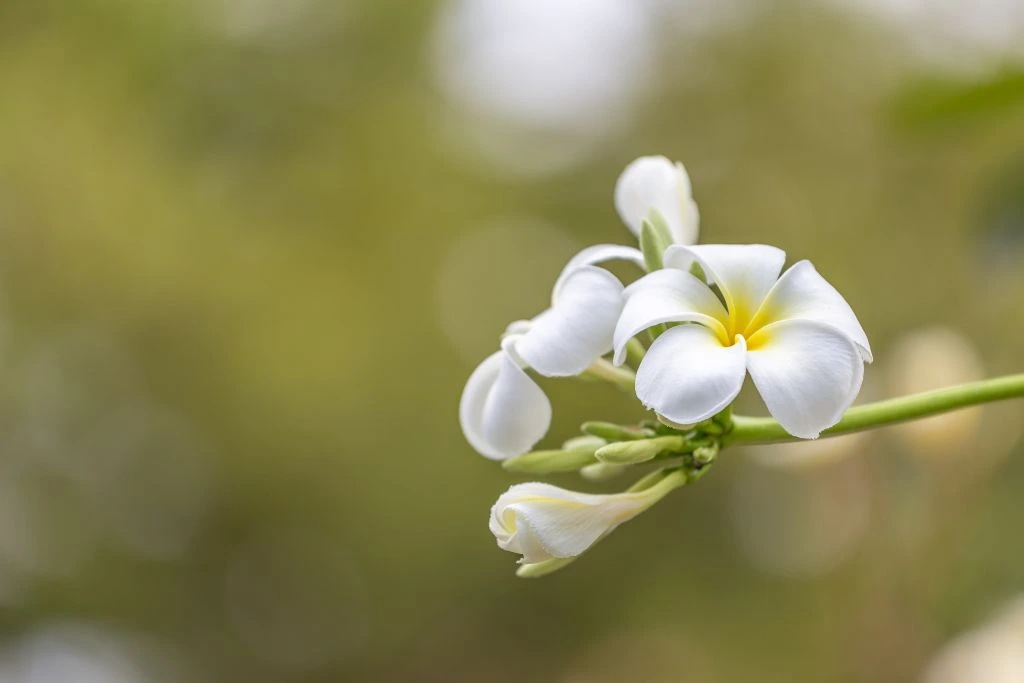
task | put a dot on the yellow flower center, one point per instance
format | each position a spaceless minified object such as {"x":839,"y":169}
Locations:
{"x":741,"y":321}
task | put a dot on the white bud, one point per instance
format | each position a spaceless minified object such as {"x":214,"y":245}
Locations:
{"x":542,"y":522}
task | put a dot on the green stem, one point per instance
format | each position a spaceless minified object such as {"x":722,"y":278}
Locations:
{"x":622,"y":377}
{"x":635,"y":352}
{"x":755,"y":430}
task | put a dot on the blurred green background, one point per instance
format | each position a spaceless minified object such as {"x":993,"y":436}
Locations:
{"x":250,"y":251}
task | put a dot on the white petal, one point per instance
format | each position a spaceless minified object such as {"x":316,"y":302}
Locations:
{"x":688,"y":376}
{"x":664,"y":296}
{"x":656,"y":183}
{"x":744,"y":272}
{"x":599,"y":253}
{"x":567,"y":338}
{"x":518,"y":328}
{"x":503,"y":412}
{"x":807,"y":372}
{"x":803,"y":293}
{"x":541,"y":521}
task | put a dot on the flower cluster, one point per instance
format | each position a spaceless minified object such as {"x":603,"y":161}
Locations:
{"x":711,"y":314}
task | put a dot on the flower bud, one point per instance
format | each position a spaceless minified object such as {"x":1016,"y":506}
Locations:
{"x":602,"y":471}
{"x":594,"y":442}
{"x":635,"y":452}
{"x":654,"y":240}
{"x":654,"y":184}
{"x":613,"y":432}
{"x":543,"y":522}
{"x":550,"y":462}
{"x":705,"y":455}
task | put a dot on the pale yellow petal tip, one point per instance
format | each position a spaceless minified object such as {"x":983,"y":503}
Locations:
{"x":536,"y":570}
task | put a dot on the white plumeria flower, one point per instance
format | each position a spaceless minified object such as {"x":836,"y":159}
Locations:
{"x":503,"y":412}
{"x":795,"y":334}
{"x":655,"y":183}
{"x":543,"y":522}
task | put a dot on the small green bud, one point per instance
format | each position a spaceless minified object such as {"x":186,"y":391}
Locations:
{"x":636,"y":452}
{"x":705,"y":455}
{"x":655,"y":238}
{"x":613,"y":432}
{"x":585,"y":441}
{"x":550,"y":462}
{"x":602,"y":471}
{"x":628,"y":452}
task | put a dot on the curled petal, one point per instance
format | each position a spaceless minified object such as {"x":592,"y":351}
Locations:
{"x":744,"y":272}
{"x":518,"y":328}
{"x":570,"y":336}
{"x":688,"y":375}
{"x":656,"y":183}
{"x":803,"y":293}
{"x":599,"y":253}
{"x":807,"y":372}
{"x":503,"y":412}
{"x":666,"y":296}
{"x":542,"y":522}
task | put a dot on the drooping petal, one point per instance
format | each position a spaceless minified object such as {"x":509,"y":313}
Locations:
{"x":665,"y":296}
{"x":541,"y":521}
{"x":599,"y":253}
{"x":743,"y":272}
{"x":503,"y":412}
{"x":807,"y":372}
{"x":803,"y":293}
{"x":570,"y":336}
{"x":688,"y":376}
{"x":656,"y":183}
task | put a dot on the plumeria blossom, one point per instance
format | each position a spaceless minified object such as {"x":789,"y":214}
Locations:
{"x":797,"y":337}
{"x":543,"y":522}
{"x":713,"y":314}
{"x":655,"y":183}
{"x":503,"y":412}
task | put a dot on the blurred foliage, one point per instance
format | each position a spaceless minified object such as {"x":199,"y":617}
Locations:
{"x":242,"y":252}
{"x":939,"y":100}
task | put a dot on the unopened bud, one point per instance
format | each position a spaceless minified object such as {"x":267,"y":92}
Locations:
{"x":655,"y":238}
{"x":550,"y":462}
{"x":613,"y":432}
{"x":705,"y":455}
{"x":635,"y":452}
{"x":586,"y":441}
{"x":602,"y":471}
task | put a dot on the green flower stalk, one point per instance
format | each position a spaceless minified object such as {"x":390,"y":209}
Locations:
{"x":764,"y":430}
